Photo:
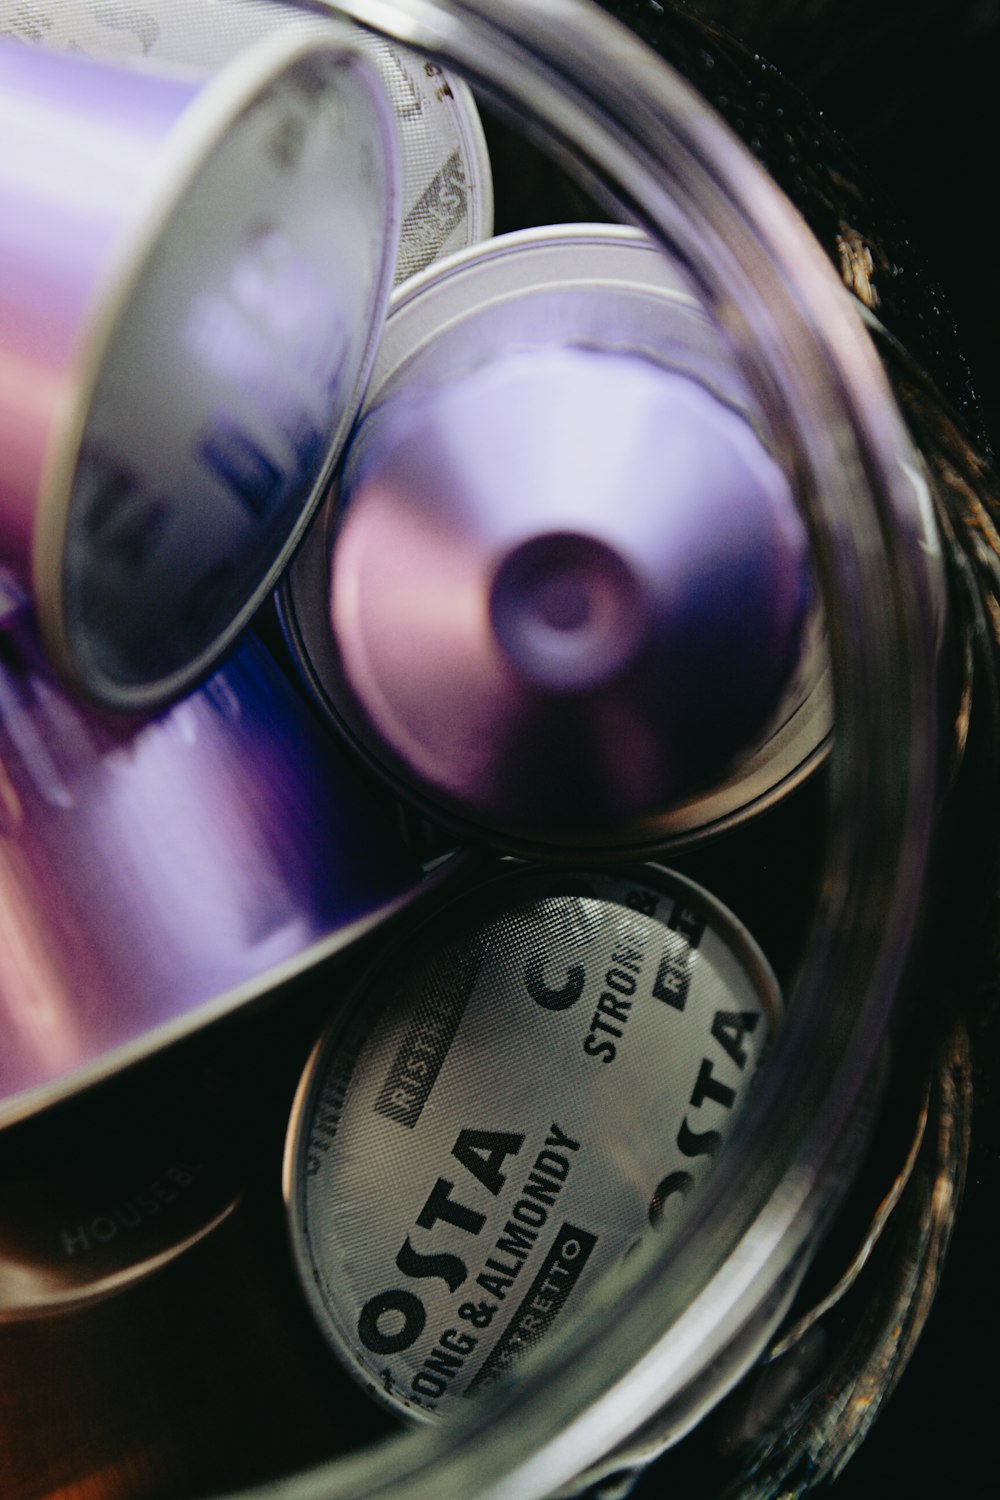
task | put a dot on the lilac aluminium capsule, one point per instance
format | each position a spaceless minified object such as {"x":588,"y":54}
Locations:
{"x":446,"y":178}
{"x":195,"y":273}
{"x":561,"y":594}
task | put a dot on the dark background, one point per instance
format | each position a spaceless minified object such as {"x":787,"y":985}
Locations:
{"x":914,"y":88}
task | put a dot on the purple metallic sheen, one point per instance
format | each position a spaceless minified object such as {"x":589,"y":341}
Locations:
{"x":150,"y":869}
{"x":568,"y":589}
{"x":78,"y":139}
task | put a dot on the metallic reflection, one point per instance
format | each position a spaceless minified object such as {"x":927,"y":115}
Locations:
{"x":155,"y":871}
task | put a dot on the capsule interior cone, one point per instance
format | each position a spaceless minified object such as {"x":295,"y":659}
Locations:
{"x":568,"y":590}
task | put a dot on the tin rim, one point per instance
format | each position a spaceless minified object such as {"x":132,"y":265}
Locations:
{"x":217,"y":106}
{"x":469,"y":127}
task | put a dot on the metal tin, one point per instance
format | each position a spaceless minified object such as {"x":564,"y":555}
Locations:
{"x":569,"y":589}
{"x":447,"y":192}
{"x":525,"y":1086}
{"x":193,"y":280}
{"x":156,"y":874}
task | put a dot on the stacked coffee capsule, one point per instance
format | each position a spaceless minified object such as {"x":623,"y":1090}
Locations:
{"x":539,"y":525}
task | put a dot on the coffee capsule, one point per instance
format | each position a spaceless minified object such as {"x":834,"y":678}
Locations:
{"x":447,"y":190}
{"x":561,"y":593}
{"x":194,"y":277}
{"x":518,"y":1091}
{"x":156,"y":874}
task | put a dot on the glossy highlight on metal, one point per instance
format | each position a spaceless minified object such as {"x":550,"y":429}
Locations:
{"x":446,"y":197}
{"x":178,"y":366}
{"x":561,"y":592}
{"x":157,"y":873}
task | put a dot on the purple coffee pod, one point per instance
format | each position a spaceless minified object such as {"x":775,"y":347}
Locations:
{"x":562,"y":594}
{"x":192,"y":278}
{"x":158,"y":873}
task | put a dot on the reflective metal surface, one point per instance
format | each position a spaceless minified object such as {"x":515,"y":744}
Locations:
{"x":446,"y":193}
{"x":179,"y":370}
{"x":525,"y":1086}
{"x":158,"y":873}
{"x":560,"y":594}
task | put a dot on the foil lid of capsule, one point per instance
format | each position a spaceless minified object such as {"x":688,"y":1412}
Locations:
{"x":567,"y":591}
{"x":195,"y":275}
{"x":525,"y":1085}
